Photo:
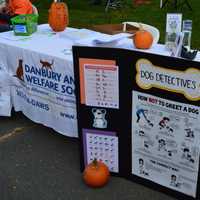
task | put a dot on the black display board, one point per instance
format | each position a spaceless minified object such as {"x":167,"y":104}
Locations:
{"x":139,"y":113}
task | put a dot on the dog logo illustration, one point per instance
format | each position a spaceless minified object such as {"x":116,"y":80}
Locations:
{"x":187,"y":155}
{"x":174,"y":182}
{"x":167,"y":146}
{"x":164,"y":124}
{"x":46,"y":64}
{"x":142,"y":169}
{"x":189,"y":133}
{"x":146,"y":138}
{"x":99,"y":118}
{"x":19,"y":71}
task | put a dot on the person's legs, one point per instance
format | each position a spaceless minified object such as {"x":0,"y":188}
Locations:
{"x":138,"y":117}
{"x":5,"y":17}
{"x":5,"y":27}
{"x":6,"y":22}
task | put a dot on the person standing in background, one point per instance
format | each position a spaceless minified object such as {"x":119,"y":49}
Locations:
{"x":20,"y":7}
{"x":2,"y":4}
{"x":11,"y":9}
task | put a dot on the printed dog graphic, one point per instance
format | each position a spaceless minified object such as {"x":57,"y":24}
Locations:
{"x":19,"y":71}
{"x":46,"y":64}
{"x":99,"y":118}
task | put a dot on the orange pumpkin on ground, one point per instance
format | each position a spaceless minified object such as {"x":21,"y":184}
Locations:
{"x":58,"y":16}
{"x":96,"y":174}
{"x":142,"y":39}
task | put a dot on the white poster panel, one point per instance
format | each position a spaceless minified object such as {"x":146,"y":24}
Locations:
{"x":43,"y":89}
{"x":102,"y":145}
{"x":165,"y":142}
{"x":101,"y":85}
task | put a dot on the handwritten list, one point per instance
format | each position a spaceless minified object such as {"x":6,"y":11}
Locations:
{"x":101,"y":85}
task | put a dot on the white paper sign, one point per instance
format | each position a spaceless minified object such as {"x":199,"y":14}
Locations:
{"x":102,"y":145}
{"x":104,"y":39}
{"x":165,"y":142}
{"x":174,"y":23}
{"x":101,"y":85}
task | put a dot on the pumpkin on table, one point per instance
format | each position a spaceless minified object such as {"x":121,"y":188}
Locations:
{"x":142,"y":39}
{"x":58,"y":16}
{"x":96,"y":174}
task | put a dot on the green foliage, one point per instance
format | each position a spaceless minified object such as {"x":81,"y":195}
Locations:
{"x":83,"y":14}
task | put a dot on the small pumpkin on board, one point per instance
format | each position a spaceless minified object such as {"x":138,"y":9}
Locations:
{"x":58,"y":16}
{"x":143,"y":39}
{"x":96,"y":174}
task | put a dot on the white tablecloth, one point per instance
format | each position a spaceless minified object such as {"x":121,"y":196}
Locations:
{"x":50,"y":101}
{"x":43,"y":88}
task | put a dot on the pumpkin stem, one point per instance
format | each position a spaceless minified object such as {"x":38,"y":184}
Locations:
{"x":95,"y":162}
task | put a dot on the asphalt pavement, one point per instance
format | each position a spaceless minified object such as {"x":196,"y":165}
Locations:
{"x":37,"y":163}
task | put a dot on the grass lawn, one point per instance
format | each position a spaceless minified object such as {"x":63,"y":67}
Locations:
{"x":82,"y":14}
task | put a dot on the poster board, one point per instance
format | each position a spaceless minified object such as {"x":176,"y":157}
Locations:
{"x":139,"y":113}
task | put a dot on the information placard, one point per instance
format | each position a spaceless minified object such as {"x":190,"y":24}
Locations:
{"x":151,"y":133}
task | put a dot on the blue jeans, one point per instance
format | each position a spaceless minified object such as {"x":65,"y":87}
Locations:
{"x":6,"y":18}
{"x":5,"y":27}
